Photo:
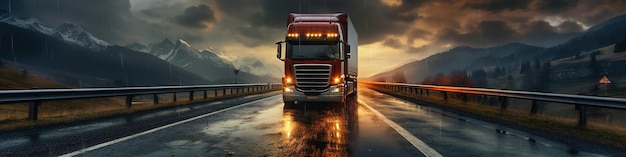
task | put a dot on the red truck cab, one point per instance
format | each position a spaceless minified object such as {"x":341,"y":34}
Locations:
{"x":320,"y":58}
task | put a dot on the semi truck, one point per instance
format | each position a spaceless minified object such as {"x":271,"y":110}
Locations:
{"x":321,"y":58}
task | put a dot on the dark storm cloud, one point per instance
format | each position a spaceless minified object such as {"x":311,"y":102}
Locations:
{"x":418,"y":34}
{"x":487,"y":33}
{"x":499,"y":5}
{"x":200,"y":16}
{"x":538,"y":27}
{"x":553,"y":6}
{"x":373,"y":20}
{"x":570,"y":26}
{"x":394,"y":43}
{"x":110,"y":20}
{"x":254,"y":23}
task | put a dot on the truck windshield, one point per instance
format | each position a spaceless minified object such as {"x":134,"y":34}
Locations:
{"x":328,"y":51}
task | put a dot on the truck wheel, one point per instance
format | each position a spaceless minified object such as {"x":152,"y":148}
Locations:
{"x":290,"y":105}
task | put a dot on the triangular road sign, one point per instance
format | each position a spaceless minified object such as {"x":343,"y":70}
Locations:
{"x":605,"y":80}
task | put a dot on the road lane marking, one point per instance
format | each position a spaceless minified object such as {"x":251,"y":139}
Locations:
{"x":101,"y":145}
{"x":417,"y":143}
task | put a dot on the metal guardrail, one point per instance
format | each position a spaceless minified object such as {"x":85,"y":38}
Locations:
{"x":580,"y":100}
{"x":36,"y":96}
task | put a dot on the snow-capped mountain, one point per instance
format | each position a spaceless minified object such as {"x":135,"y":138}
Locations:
{"x":248,"y":63}
{"x":138,"y":47}
{"x":25,"y":22}
{"x":67,"y":32}
{"x":78,"y":35}
{"x":52,"y":57}
{"x":181,"y":54}
{"x":253,"y":65}
{"x":202,"y":62}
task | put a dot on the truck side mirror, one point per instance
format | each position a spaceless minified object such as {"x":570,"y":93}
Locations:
{"x":279,"y":49}
{"x":347,"y":51}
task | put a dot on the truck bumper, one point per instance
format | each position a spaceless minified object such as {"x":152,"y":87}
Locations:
{"x":334,"y":94}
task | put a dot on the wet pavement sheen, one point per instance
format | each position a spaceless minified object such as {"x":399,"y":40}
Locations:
{"x":269,"y":128}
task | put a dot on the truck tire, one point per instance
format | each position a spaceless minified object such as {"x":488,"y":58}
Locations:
{"x":290,"y":105}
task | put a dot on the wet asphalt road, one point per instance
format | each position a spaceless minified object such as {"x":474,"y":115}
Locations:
{"x":262,"y":125}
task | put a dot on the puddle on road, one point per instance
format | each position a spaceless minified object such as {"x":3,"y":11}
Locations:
{"x":222,"y":127}
{"x":80,"y":128}
{"x":244,"y":135}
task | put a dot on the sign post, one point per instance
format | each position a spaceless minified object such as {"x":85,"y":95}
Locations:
{"x":605,"y":80}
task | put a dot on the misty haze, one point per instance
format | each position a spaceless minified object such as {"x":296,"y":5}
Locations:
{"x":312,"y":78}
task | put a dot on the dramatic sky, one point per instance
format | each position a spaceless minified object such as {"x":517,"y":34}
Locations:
{"x":391,"y":32}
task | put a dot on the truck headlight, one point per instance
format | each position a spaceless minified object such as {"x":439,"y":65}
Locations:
{"x":336,"y":90}
{"x":287,"y":89}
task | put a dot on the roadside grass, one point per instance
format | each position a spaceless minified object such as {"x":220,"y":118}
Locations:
{"x":15,"y":116}
{"x":617,"y":88}
{"x":599,"y":130}
{"x":14,"y":79}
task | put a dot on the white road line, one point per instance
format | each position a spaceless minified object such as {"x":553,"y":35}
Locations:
{"x":84,"y":150}
{"x":417,"y":143}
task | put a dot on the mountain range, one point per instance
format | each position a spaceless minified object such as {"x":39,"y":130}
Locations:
{"x":462,"y":57}
{"x":69,"y":33}
{"x":509,"y":55}
{"x":202,"y":62}
{"x":72,"y":55}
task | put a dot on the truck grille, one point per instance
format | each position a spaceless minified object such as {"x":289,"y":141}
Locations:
{"x":312,"y":77}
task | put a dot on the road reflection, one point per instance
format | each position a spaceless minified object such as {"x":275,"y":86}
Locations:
{"x":313,"y":129}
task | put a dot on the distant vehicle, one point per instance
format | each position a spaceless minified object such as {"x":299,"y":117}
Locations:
{"x":321,"y":58}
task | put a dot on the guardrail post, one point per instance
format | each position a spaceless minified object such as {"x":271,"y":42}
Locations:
{"x":174,"y":97}
{"x":426,"y":92}
{"x":155,"y":99}
{"x":215,"y":93}
{"x":445,"y":96}
{"x":129,"y":101}
{"x":582,"y":115}
{"x":33,"y":110}
{"x":224,"y":92}
{"x":503,"y":103}
{"x":533,"y":107}
{"x":205,"y":96}
{"x":191,"y":96}
{"x":464,"y":96}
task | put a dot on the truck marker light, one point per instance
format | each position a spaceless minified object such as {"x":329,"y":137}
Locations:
{"x":313,"y":35}
{"x":292,"y":35}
